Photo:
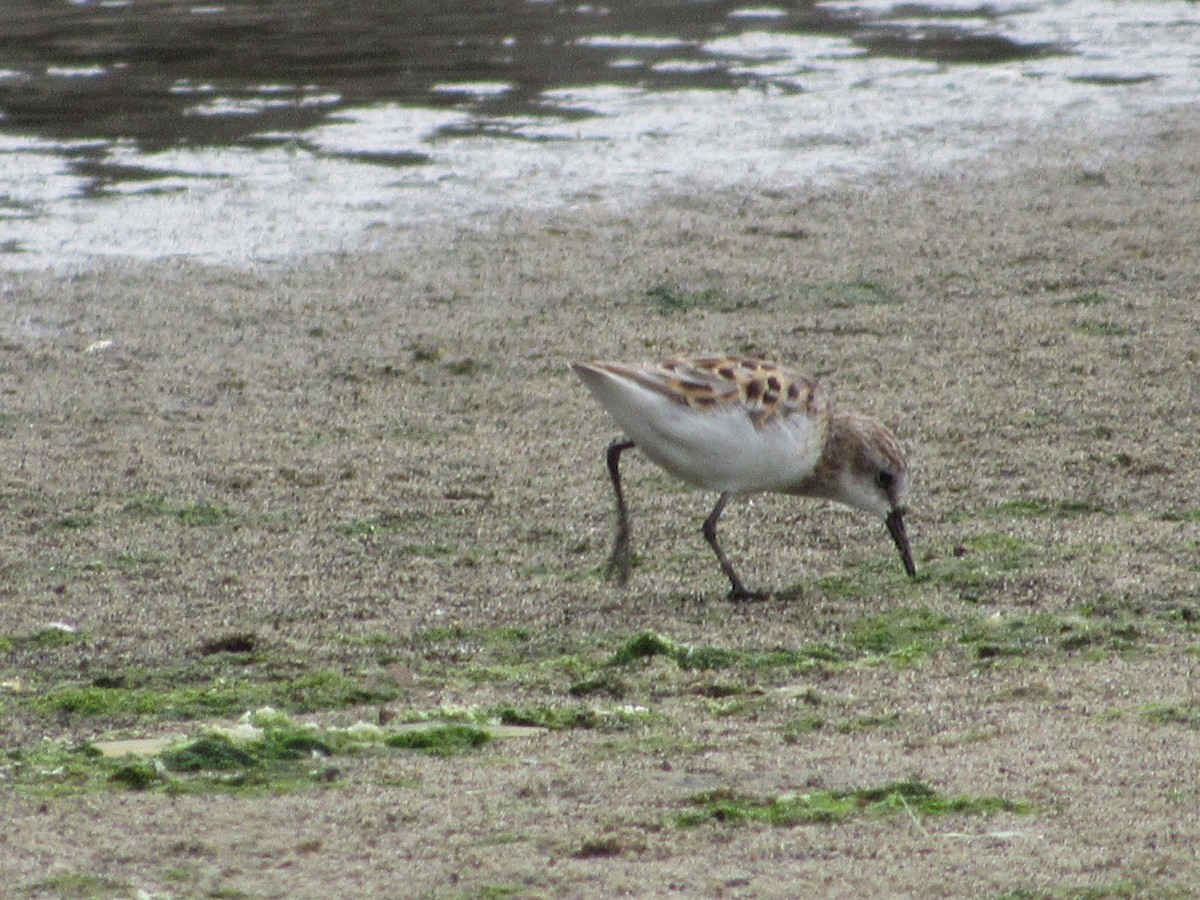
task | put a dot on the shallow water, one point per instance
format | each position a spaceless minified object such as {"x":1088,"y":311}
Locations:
{"x":255,"y":131}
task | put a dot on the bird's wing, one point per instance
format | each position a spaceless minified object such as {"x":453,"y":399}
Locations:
{"x":767,"y":391}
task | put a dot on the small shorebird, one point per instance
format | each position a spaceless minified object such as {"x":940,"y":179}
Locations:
{"x":747,"y":426}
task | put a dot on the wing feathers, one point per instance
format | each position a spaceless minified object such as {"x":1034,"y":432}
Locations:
{"x":766,"y":391}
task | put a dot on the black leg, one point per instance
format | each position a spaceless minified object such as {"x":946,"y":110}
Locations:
{"x":619,"y":562}
{"x":738,"y":590}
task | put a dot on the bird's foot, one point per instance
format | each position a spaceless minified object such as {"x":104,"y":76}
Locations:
{"x":740,"y":594}
{"x":620,"y":561}
{"x":618,"y":566}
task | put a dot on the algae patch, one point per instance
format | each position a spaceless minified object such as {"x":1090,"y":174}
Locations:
{"x":648,"y":644}
{"x":441,"y":740}
{"x":916,"y":798}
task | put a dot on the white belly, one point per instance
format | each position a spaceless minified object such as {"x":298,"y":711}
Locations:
{"x":722,"y":450}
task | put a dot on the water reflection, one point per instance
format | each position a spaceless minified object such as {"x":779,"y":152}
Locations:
{"x":174,"y":73}
{"x":261,"y":129}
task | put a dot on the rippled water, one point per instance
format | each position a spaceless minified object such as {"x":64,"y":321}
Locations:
{"x":256,"y":131}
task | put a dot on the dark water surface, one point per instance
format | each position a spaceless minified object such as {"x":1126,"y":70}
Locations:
{"x":258,"y":130}
{"x":149,"y":60}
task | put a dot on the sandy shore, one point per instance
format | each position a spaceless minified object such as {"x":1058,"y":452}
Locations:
{"x":340,"y":457}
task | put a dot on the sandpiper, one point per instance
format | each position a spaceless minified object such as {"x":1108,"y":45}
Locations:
{"x":745,"y":426}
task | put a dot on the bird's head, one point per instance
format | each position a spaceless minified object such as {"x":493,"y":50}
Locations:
{"x":872,"y":475}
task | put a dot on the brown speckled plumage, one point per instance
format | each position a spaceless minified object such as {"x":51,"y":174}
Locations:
{"x":767,"y":391}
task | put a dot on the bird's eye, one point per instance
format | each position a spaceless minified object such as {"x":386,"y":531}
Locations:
{"x":885,"y":480}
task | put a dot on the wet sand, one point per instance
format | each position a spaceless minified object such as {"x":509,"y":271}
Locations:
{"x":350,"y":453}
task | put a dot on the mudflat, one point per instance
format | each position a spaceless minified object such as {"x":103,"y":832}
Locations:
{"x":369,"y":489}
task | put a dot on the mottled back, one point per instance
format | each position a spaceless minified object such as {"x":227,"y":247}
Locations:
{"x":767,"y":391}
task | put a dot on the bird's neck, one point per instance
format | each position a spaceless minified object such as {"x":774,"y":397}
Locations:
{"x":843,"y":448}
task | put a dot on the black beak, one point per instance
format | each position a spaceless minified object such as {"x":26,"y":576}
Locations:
{"x":895,"y":527}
